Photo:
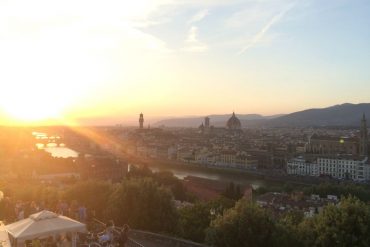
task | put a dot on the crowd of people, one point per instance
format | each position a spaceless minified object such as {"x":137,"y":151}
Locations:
{"x":60,"y":241}
{"x":18,"y":210}
{"x":111,"y":235}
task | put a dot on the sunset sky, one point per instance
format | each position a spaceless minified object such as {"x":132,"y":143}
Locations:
{"x":113,"y":59}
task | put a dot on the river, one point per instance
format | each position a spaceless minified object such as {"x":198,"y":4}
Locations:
{"x":180,"y":172}
{"x":220,"y":175}
{"x":57,"y":151}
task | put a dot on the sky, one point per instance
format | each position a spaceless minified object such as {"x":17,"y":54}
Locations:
{"x":79,"y":60}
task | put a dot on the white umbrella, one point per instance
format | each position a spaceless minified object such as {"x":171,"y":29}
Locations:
{"x":43,"y":224}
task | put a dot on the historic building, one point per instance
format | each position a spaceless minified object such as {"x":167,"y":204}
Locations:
{"x":300,"y":166}
{"x":337,"y":157}
{"x":364,"y":142}
{"x":233,"y":123}
{"x":141,"y":121}
{"x":342,"y":167}
{"x":333,"y":145}
{"x":207,"y":123}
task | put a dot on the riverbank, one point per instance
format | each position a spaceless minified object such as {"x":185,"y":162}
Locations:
{"x":232,"y":173}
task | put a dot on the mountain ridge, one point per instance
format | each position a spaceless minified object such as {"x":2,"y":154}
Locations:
{"x":346,"y":114}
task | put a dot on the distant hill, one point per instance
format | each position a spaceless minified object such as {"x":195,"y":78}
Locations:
{"x":215,"y":120}
{"x":338,"y":115}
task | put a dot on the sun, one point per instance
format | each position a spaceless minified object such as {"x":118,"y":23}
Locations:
{"x":33,"y":96}
{"x":33,"y":111}
{"x":27,"y":103}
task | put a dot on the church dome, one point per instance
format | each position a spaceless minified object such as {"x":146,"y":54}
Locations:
{"x":233,"y":123}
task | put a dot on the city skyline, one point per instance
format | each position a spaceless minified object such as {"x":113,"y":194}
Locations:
{"x":85,"y":59}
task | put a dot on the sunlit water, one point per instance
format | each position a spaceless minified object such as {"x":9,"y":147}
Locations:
{"x":61,"y":152}
{"x":56,"y":151}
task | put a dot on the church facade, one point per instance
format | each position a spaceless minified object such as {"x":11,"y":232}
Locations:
{"x":329,"y":145}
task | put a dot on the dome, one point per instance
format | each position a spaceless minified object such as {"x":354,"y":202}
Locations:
{"x":233,"y":123}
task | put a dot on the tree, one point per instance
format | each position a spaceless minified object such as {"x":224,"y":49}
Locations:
{"x":143,"y":204}
{"x":286,"y":233}
{"x":94,"y":194}
{"x":167,"y":179}
{"x":194,"y":220}
{"x":243,"y":225}
{"x":347,"y":224}
{"x":233,"y":192}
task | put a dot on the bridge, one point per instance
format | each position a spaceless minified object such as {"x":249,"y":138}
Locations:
{"x":50,"y":140}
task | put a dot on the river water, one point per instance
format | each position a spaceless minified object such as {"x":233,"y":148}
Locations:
{"x":56,"y":151}
{"x":62,"y":151}
{"x":241,"y":179}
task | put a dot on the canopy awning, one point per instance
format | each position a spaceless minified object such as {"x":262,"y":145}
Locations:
{"x":43,"y":224}
{"x":4,"y":238}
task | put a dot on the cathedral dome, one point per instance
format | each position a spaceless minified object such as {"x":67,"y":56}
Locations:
{"x":233,"y":123}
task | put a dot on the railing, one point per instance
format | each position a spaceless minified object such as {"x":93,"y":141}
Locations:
{"x":156,"y":239}
{"x":133,"y":243}
{"x":162,"y":240}
{"x":130,"y":242}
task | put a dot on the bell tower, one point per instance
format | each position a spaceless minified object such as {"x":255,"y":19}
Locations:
{"x":141,"y":121}
{"x":363,"y":137}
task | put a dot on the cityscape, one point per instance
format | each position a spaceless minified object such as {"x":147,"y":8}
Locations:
{"x":184,"y":123}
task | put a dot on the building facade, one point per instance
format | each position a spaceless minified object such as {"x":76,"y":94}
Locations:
{"x":300,"y":166}
{"x":335,"y":167}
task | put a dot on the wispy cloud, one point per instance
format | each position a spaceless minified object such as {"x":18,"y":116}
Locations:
{"x":192,"y":43}
{"x":258,"y":36}
{"x":199,"y":16}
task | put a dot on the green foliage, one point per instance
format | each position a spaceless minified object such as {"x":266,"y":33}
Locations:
{"x":32,"y":192}
{"x":165,"y":178}
{"x":360,"y":191}
{"x":233,"y":192}
{"x":194,"y":220}
{"x":168,"y":180}
{"x":243,"y":225}
{"x":143,"y":204}
{"x":93,"y":194}
{"x":286,"y":233}
{"x":345,"y":225}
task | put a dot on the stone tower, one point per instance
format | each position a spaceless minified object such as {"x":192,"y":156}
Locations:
{"x":206,"y":122}
{"x":141,"y":121}
{"x":363,"y":137}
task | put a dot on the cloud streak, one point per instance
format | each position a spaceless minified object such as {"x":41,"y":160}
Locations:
{"x":192,"y":43}
{"x":258,"y":36}
{"x":199,"y":16}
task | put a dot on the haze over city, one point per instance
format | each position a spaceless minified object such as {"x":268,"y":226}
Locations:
{"x":74,"y":60}
{"x":193,"y":123}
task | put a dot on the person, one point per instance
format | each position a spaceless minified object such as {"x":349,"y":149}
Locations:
{"x":104,"y":237}
{"x":65,"y":241}
{"x":82,"y":213}
{"x":21,"y":214}
{"x":123,"y":238}
{"x":50,"y":242}
{"x":110,"y":229}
